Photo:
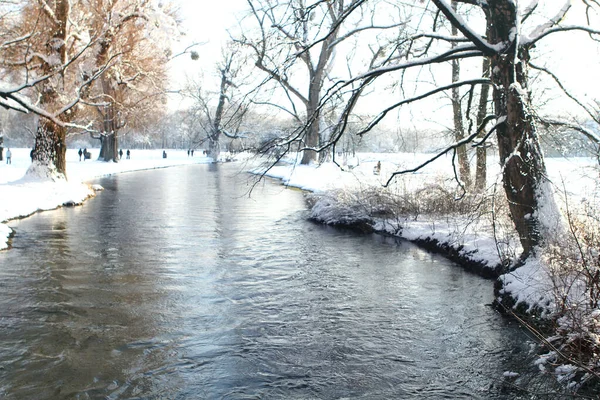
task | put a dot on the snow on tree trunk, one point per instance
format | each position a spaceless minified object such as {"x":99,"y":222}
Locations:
{"x":531,"y":202}
{"x":49,"y":153}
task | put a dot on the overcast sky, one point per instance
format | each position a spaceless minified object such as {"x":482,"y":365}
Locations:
{"x":569,"y":55}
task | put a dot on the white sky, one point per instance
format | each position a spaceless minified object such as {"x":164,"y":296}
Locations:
{"x":207,"y":20}
{"x":204,"y":21}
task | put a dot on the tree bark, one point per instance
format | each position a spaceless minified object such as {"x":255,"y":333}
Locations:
{"x":110,"y":141}
{"x":49,"y":152}
{"x":312,"y":128}
{"x":524,"y":171}
{"x":481,"y":152}
{"x":464,"y":168}
{"x":49,"y":155}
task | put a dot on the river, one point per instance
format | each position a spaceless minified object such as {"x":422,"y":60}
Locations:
{"x":175,"y":284}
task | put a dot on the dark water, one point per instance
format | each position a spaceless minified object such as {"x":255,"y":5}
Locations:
{"x":173,"y":284}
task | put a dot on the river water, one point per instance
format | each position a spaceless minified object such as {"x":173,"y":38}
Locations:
{"x":175,"y":284}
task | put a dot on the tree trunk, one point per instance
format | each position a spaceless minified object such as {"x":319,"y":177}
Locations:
{"x":524,"y":171}
{"x":214,"y":148}
{"x":312,"y":133}
{"x":110,"y":143}
{"x":481,"y":152}
{"x":49,"y":153}
{"x":464,"y":168}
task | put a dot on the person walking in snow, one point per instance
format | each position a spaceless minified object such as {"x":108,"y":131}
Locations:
{"x":377,"y":169}
{"x":8,"y":156}
{"x":120,"y":154}
{"x":128,"y":154}
{"x":80,"y":152}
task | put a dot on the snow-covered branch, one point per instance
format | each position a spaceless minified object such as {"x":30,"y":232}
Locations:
{"x":563,"y":28}
{"x":456,"y":20}
{"x":458,"y":52}
{"x":541,"y":30}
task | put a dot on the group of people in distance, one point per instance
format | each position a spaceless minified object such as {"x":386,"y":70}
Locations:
{"x":87,"y":155}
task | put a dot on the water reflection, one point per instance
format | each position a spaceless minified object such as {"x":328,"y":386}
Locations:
{"x":176,"y":284}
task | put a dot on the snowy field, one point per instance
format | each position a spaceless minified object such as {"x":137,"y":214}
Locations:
{"x":22,"y":196}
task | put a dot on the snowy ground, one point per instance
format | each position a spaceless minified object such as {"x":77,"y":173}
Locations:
{"x":22,"y":196}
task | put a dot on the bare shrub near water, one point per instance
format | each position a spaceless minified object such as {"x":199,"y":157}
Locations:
{"x":404,"y":202}
{"x":574,"y":266}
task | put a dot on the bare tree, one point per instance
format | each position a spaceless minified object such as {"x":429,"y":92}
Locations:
{"x":481,"y":152}
{"x":459,"y":128}
{"x":295,"y":48}
{"x":507,"y":43}
{"x":44,"y":53}
{"x":53,"y":52}
{"x":227,"y":115}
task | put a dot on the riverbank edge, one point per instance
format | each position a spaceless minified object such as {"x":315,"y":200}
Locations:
{"x":433,"y":245}
{"x":7,"y":245}
{"x":504,"y":302}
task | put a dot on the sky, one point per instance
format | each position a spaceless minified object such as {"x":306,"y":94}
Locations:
{"x":206,"y":22}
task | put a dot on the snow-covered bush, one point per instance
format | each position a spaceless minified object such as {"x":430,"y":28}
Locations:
{"x":574,"y":268}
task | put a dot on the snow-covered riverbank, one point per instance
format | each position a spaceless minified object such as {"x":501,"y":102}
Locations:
{"x":470,"y":237}
{"x":22,"y":196}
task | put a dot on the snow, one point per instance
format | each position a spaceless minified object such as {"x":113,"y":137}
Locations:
{"x":24,"y":195}
{"x":532,"y":285}
{"x":541,"y":30}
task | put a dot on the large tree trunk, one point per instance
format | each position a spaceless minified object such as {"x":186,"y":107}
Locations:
{"x":312,"y":129}
{"x":110,"y":143}
{"x":464,"y":168}
{"x":481,"y":152}
{"x":49,"y":154}
{"x":524,"y":172}
{"x":214,"y":148}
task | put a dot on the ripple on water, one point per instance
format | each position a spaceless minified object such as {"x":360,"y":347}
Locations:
{"x":194,"y":290}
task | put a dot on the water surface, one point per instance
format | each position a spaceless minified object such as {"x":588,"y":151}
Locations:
{"x":175,"y":284}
